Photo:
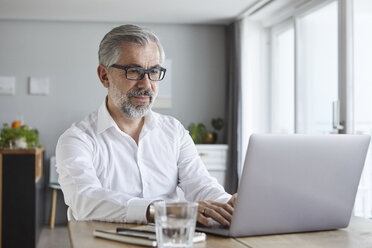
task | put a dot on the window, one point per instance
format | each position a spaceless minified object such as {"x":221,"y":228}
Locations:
{"x":304,"y":104}
{"x":362,"y":96}
{"x":320,"y":55}
{"x":282,"y":83}
{"x":317,"y":81}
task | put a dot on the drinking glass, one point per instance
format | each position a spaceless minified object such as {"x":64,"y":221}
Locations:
{"x":175,"y":223}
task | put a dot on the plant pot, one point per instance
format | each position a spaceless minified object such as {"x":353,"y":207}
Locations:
{"x":210,"y":138}
{"x":18,"y":143}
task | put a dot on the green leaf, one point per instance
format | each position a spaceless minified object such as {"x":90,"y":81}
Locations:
{"x":8,"y":135}
{"x":197,"y":132}
{"x":217,"y":123}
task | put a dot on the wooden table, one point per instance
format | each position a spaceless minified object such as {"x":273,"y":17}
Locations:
{"x":357,"y":235}
{"x":81,"y":235}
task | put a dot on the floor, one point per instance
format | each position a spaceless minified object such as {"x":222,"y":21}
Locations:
{"x":54,"y":238}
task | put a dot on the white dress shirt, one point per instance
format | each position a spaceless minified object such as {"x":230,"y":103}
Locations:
{"x":105,"y":175}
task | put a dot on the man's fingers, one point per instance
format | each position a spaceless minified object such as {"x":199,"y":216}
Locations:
{"x":232,"y":201}
{"x":221,"y":211}
{"x":204,"y":220}
{"x":202,"y":206}
{"x":225,"y":206}
{"x":212,"y":213}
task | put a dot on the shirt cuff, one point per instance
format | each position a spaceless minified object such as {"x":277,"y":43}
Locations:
{"x":224,"y":198}
{"x":136,"y":210}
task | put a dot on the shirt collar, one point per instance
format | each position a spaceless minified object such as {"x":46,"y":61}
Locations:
{"x":105,"y":120}
{"x":151,"y":120}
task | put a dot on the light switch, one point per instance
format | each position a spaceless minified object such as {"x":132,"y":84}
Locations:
{"x":39,"y":85}
{"x":7,"y":85}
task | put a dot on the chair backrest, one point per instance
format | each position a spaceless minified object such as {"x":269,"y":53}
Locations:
{"x":53,"y":175}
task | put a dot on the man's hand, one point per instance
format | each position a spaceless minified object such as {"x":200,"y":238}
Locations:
{"x":232,"y":200}
{"x":220,"y":212}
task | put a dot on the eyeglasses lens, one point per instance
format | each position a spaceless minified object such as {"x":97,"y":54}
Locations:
{"x":155,"y":74}
{"x":134,"y":73}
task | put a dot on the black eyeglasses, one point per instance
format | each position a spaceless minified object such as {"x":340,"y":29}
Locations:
{"x":137,"y":73}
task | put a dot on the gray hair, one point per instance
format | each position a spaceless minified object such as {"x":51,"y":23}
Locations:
{"x":109,"y":48}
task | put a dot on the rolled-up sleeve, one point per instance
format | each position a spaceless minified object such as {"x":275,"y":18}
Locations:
{"x":193,"y":176}
{"x":83,"y":191}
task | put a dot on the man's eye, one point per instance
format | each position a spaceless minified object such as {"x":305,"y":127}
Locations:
{"x":134,"y":70}
{"x":155,"y":70}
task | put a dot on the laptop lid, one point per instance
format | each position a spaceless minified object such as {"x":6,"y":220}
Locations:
{"x":297,"y":183}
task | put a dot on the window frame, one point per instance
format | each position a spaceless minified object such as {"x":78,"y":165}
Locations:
{"x":345,"y":58}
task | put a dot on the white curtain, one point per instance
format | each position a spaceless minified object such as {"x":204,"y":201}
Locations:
{"x":255,"y":90}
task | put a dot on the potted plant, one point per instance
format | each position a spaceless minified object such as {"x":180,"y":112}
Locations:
{"x":197,"y":132}
{"x":217,"y":125}
{"x":200,"y":134}
{"x":18,"y":136}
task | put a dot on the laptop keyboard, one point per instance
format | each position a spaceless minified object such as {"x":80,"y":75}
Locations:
{"x":215,"y":225}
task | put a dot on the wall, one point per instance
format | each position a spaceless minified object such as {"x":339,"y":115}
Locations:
{"x":66,"y":52}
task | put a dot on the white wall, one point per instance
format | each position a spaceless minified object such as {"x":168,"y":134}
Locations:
{"x":66,"y":52}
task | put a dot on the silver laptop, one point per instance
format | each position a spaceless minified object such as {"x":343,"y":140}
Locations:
{"x":297,"y":183}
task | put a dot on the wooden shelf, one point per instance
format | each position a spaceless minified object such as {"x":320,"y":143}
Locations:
{"x":22,"y":151}
{"x":21,"y":196}
{"x":38,"y":152}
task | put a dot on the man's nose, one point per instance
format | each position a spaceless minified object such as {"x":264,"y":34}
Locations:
{"x":145,"y":82}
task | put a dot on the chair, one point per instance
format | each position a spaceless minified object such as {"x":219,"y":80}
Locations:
{"x":53,"y":184}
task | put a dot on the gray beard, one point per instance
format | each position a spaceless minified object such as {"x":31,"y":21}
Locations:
{"x":123,"y":103}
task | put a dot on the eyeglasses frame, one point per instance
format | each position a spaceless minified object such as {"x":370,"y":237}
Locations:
{"x":146,"y":71}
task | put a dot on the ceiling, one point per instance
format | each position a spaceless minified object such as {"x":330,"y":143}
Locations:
{"x":128,"y":11}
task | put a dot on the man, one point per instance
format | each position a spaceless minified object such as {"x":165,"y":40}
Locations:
{"x":117,"y":161}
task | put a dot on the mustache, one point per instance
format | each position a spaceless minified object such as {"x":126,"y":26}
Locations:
{"x":146,"y":92}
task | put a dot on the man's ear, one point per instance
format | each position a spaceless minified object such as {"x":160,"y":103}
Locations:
{"x":102,"y":72}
